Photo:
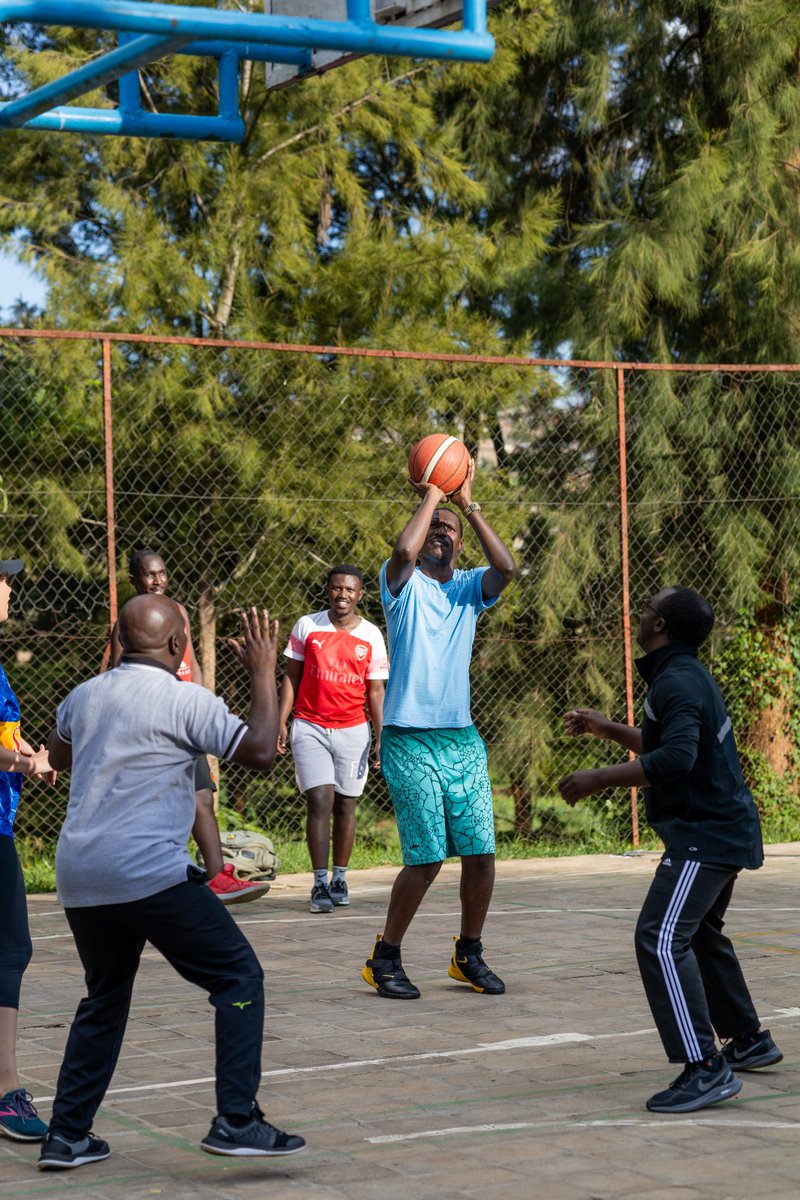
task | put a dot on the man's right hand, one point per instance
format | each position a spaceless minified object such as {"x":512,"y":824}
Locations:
{"x":427,"y":489}
{"x":586,"y":720}
{"x":258,"y":650}
{"x":283,"y":738}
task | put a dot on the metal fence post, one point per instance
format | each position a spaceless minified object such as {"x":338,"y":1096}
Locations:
{"x":627,"y":654}
{"x":111,"y":529}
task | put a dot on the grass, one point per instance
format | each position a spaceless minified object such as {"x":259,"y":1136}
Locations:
{"x":376,"y":849}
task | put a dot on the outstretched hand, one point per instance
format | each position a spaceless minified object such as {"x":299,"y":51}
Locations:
{"x":586,"y":720}
{"x":258,"y":649}
{"x":40,"y":768}
{"x":579,"y":784}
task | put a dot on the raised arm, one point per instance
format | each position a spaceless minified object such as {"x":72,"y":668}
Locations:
{"x":258,"y":654}
{"x":412,"y":539}
{"x":502,"y":568}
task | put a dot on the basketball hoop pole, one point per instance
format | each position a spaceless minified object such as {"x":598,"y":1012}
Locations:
{"x":151,"y":31}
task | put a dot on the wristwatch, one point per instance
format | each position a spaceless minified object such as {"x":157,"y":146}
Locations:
{"x":471,"y":508}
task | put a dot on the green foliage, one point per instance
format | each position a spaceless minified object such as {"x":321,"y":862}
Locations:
{"x":759,"y":669}
{"x":621,"y":181}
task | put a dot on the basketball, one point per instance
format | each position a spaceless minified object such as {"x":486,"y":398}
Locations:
{"x":440,"y":460}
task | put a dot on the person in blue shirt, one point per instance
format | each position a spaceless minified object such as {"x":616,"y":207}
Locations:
{"x":432,"y":757}
{"x":18,"y":1117}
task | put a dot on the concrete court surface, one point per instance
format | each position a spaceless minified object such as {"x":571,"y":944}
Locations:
{"x":538,"y":1093}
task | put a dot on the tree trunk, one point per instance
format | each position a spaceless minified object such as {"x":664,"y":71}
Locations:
{"x":770,"y":732}
{"x":523,"y":809}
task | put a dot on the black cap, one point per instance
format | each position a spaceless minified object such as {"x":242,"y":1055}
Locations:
{"x":11,"y":566}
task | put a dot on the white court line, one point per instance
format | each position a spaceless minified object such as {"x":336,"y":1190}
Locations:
{"x":430,"y":915}
{"x":314,"y":920}
{"x":550,"y":1039}
{"x":456,"y":1130}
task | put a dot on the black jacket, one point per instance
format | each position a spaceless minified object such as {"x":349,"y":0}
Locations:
{"x":696,"y":799}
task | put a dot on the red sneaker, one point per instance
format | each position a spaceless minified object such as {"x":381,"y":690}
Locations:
{"x":230,"y":890}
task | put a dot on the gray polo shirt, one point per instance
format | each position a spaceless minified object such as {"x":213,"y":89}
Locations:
{"x":135,"y":734}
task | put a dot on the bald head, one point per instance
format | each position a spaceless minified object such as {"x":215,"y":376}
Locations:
{"x":153,"y":625}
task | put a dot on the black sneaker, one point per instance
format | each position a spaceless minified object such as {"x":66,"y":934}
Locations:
{"x":339,"y":894}
{"x":258,"y":1139}
{"x":320,"y":899}
{"x":467,"y":966}
{"x":747,"y":1053}
{"x":385,"y":973}
{"x":698,"y":1086}
{"x":59,"y":1155}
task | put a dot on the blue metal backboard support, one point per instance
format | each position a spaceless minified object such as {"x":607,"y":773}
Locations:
{"x":148,"y":32}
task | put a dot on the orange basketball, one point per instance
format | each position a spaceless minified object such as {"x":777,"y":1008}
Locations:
{"x":440,"y":460}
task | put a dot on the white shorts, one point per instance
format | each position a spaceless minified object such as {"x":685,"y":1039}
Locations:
{"x":331,"y":756}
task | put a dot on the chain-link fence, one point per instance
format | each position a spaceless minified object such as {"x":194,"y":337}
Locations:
{"x":252,"y":469}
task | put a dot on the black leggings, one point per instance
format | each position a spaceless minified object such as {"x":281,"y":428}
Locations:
{"x":15,"y":940}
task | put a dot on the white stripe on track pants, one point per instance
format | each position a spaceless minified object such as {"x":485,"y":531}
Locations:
{"x":691,"y":975}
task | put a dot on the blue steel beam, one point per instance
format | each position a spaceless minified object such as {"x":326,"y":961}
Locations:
{"x":99,"y":121}
{"x":203,"y":24}
{"x":255,"y":53}
{"x":94,"y":74}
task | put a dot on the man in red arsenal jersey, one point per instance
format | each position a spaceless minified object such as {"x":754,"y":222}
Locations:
{"x":336,"y":666}
{"x":148,"y":574}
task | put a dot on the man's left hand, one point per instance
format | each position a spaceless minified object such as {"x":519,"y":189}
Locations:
{"x":579,"y":784}
{"x":463,"y":496}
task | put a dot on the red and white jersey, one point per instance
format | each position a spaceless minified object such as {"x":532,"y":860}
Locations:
{"x":336,"y":665}
{"x":184,"y":671}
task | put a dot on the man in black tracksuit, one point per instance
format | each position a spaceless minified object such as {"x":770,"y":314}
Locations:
{"x":699,"y":805}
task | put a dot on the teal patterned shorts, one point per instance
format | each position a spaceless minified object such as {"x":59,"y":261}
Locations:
{"x":439,"y":783}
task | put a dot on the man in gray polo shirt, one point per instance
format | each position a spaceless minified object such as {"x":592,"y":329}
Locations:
{"x":131,"y":737}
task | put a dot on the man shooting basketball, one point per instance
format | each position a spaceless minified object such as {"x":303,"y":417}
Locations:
{"x":432,"y":757}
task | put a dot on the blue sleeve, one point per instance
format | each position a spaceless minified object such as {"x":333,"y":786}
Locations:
{"x":63,"y":724}
{"x":387,"y":599}
{"x":210,"y":727}
{"x":477,"y":597}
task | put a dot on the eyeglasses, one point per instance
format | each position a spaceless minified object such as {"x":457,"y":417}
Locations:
{"x":657,"y":612}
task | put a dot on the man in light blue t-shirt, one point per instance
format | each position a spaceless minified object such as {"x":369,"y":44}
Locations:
{"x":432,"y":756}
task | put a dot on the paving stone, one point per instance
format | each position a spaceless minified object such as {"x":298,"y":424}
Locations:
{"x":569,"y":1118}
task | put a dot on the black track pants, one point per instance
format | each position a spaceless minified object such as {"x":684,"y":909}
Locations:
{"x":691,"y":975}
{"x":200,"y":939}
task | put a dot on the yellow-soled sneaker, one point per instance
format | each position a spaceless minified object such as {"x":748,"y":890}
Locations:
{"x":384,"y":971}
{"x":467,"y":966}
